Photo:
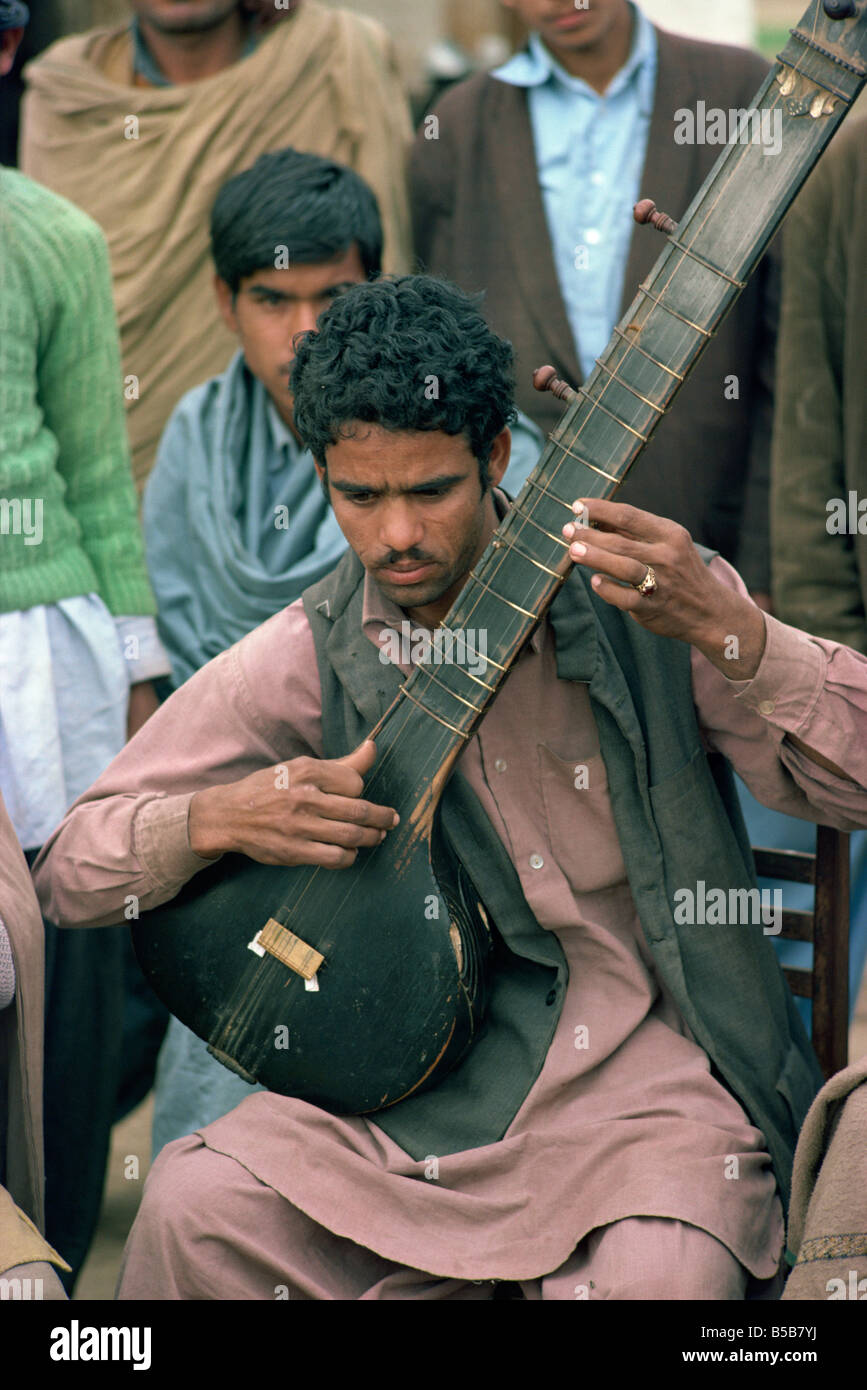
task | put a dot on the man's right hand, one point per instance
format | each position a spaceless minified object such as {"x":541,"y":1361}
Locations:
{"x":307,"y":811}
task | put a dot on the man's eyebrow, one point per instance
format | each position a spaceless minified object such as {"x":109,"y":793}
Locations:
{"x":442,"y":480}
{"x":267,"y":291}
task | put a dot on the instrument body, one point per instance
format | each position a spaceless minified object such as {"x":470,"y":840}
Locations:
{"x":404,"y":939}
{"x":409,"y":992}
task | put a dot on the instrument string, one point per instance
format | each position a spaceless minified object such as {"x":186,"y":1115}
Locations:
{"x":441,"y":747}
{"x":736,"y":154}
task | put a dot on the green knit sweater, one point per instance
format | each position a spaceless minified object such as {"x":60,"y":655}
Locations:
{"x":68,"y":512}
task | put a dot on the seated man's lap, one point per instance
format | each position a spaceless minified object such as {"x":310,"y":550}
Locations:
{"x":209,"y":1229}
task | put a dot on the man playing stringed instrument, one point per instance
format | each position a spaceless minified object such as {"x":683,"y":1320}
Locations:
{"x":633,"y":1135}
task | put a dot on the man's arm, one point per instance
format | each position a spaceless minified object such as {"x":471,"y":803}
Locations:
{"x":431,"y":192}
{"x":243,"y":733}
{"x":813,"y":694}
{"x":79,"y":388}
{"x":815,"y":574}
{"x":171,"y":555}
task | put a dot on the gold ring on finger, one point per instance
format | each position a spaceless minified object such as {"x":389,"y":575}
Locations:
{"x":648,"y":584}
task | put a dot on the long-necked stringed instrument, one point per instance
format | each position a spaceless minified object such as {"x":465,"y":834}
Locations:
{"x":247,"y":950}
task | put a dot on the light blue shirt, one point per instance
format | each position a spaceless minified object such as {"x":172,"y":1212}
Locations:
{"x":589,"y":156}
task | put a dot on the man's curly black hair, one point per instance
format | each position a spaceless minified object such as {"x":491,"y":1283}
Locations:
{"x":408,"y":353}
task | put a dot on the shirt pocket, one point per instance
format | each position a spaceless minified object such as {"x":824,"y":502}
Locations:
{"x":581,"y":828}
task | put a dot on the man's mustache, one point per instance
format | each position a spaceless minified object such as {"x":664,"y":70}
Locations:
{"x":404,"y":559}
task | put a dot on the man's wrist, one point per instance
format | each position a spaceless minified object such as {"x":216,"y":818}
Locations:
{"x":205,"y":824}
{"x":734,"y":640}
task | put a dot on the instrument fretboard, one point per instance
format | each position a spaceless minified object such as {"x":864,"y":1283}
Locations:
{"x":702,"y":269}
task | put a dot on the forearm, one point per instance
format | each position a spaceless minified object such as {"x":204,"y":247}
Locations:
{"x":208,"y":830}
{"x":125,"y":844}
{"x":796,"y":731}
{"x":734,"y":642}
{"x":112,"y":858}
{"x":733,"y":637}
{"x":79,"y":389}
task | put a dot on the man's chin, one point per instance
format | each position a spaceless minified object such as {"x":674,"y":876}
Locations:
{"x":187,"y":16}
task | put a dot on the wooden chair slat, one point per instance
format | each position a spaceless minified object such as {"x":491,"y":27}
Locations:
{"x":791,"y":865}
{"x":796,"y":924}
{"x":799,"y":979}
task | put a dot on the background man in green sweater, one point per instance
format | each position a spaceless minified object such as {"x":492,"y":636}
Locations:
{"x":78,"y":643}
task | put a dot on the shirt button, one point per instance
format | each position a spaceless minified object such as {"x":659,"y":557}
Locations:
{"x":536,"y":861}
{"x":592,"y":236}
{"x":551,"y":996}
{"x":501,"y":764}
{"x":767,"y":707}
{"x":597,"y":177}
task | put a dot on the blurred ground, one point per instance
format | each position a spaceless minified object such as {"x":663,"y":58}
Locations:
{"x":133,"y":1137}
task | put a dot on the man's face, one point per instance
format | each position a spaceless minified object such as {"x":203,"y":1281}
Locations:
{"x":562,"y":26}
{"x":410,"y":505}
{"x":272,"y":306}
{"x":185,"y":16}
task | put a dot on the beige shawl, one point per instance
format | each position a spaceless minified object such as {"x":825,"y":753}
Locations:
{"x":147,"y":163}
{"x":828,"y":1214}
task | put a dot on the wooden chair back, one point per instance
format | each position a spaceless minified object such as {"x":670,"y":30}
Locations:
{"x":826,"y":983}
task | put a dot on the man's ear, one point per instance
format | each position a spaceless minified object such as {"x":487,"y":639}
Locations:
{"x":9,"y":41}
{"x":501,"y":452}
{"x":226,"y":304}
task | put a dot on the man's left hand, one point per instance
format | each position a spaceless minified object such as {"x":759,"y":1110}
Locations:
{"x":627,"y":547}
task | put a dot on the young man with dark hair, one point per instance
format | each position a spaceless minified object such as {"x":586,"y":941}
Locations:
{"x":236,"y":522}
{"x":600,"y":1157}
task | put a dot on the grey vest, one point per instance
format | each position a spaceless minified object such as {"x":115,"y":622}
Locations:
{"x":678,"y":821}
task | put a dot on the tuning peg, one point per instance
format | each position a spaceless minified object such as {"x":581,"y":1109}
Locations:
{"x":546,"y":379}
{"x":646,"y":211}
{"x":839,"y":9}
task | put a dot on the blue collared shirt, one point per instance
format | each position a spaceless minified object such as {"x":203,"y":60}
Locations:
{"x":589,"y":157}
{"x":144,"y":63}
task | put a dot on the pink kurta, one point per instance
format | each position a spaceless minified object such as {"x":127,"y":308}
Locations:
{"x":625,"y":1118}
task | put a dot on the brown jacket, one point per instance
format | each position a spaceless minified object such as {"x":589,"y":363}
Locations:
{"x":820,"y":429}
{"x":21,"y":1174}
{"x":479,"y":219}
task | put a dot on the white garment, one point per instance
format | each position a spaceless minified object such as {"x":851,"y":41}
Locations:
{"x":65,"y":673}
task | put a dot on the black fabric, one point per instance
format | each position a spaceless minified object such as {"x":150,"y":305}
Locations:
{"x":145,"y":1020}
{"x":84,"y":974}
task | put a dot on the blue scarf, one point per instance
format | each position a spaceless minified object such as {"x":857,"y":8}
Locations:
{"x":220,"y":561}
